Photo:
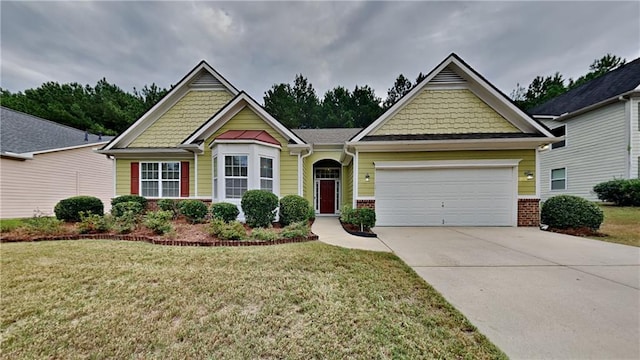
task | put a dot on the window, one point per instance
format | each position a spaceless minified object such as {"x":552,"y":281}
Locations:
{"x":266,"y":174}
{"x":160,"y":179}
{"x":215,"y":177}
{"x":559,"y":179}
{"x":327,"y":173}
{"x":235,"y":172}
{"x":559,"y":131}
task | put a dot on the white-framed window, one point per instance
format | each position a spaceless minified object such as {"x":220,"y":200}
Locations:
{"x":160,"y":179}
{"x":215,"y":177}
{"x":266,"y":174}
{"x":559,"y":179}
{"x":559,"y":131}
{"x":235,"y":176}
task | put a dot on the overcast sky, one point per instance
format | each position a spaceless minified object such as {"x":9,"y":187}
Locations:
{"x":257,"y":44}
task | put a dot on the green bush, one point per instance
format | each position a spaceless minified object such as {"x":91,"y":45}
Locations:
{"x":159,"y":221}
{"x":293,"y":208}
{"x":130,"y":208}
{"x":69,"y":209}
{"x":259,"y":207}
{"x":568,"y":211}
{"x":265,"y":234}
{"x":93,"y":223}
{"x":227,"y":231}
{"x":126,"y":198}
{"x":169,"y":205}
{"x":224,"y":211}
{"x":295,"y":230}
{"x":126,"y":223}
{"x":620,"y":192}
{"x":194,"y":210}
{"x":42,"y":225}
{"x":363,"y":217}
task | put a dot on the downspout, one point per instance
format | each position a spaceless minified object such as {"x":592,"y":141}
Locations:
{"x":195,"y":173}
{"x":301,"y":170}
{"x":355,"y":175}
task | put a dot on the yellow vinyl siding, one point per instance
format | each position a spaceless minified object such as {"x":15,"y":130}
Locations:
{"x":347,"y":180}
{"x":123,"y":174}
{"x":246,"y":119}
{"x":308,"y":170}
{"x":182,"y":119}
{"x":525,"y":187}
{"x":445,"y":112}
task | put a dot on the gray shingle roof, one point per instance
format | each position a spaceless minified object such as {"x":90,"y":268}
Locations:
{"x":612,"y":84}
{"x":326,"y":136}
{"x":23,"y":133}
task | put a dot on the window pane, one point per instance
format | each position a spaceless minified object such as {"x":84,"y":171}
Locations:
{"x":170,"y":189}
{"x":149,"y":188}
{"x":235,"y":166}
{"x":266,"y":167}
{"x":149,"y":171}
{"x":171,"y":171}
{"x":558,"y":173}
{"x":266,"y":185}
{"x":215,"y":167}
{"x":235,"y":188}
{"x":558,"y":184}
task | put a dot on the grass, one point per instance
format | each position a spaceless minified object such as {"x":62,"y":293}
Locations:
{"x":7,"y":225}
{"x":621,"y":225}
{"x":107,"y":299}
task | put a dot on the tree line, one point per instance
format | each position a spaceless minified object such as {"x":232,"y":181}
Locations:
{"x":107,"y":109}
{"x":101,"y":109}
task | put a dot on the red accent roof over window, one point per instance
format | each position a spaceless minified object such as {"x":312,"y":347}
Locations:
{"x":259,"y":135}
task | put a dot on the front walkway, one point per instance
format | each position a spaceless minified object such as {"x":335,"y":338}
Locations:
{"x":331,"y":232}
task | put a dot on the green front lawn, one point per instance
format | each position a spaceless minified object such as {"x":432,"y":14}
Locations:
{"x":109,"y":299}
{"x":621,"y":225}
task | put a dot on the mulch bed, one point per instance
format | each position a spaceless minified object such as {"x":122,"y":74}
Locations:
{"x":355,"y":230}
{"x":186,"y":234}
{"x":583,"y":231}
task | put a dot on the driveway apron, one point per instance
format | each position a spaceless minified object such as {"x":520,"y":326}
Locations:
{"x":535,"y":294}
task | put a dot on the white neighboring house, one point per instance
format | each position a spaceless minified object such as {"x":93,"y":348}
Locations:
{"x":599,"y":121}
{"x":43,"y":162}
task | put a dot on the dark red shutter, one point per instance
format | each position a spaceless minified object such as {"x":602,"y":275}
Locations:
{"x":184,"y":179}
{"x":135,"y":178}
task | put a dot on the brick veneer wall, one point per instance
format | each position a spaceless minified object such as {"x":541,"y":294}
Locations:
{"x":369,"y":204}
{"x":528,"y":212}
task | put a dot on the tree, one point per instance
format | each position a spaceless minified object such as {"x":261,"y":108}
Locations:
{"x":401,"y":86}
{"x":366,"y":106}
{"x":598,"y":68}
{"x":295,"y":106}
{"x":337,"y":109}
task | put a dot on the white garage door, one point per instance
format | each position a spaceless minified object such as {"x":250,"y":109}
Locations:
{"x":446,"y":197}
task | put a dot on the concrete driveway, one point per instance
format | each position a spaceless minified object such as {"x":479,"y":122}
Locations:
{"x":535,"y":294}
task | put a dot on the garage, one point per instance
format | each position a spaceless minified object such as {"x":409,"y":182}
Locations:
{"x":438,"y":193}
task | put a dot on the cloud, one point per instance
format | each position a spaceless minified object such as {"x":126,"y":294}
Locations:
{"x":257,"y":44}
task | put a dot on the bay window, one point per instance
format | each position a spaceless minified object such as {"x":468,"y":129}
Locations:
{"x":266,"y":174}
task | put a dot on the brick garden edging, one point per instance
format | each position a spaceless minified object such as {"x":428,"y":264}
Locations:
{"x":170,"y":242}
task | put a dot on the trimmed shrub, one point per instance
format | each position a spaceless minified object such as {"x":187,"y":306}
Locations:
{"x":363,"y":217}
{"x":294,"y":230}
{"x":159,"y":221}
{"x":620,"y":192}
{"x":126,"y":198}
{"x":194,"y":210}
{"x":225,"y":211}
{"x":129,"y":208}
{"x":169,"y":205}
{"x":93,"y":223}
{"x":571,"y":212}
{"x":259,"y":207}
{"x":293,"y":208}
{"x":69,"y":209}
{"x":227,"y":231}
{"x":265,"y":234}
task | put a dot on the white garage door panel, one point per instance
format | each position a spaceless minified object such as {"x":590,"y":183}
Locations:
{"x":449,"y":197}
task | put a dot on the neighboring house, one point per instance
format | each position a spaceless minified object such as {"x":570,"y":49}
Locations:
{"x":454,"y":151}
{"x":43,"y":162}
{"x":599,"y":121}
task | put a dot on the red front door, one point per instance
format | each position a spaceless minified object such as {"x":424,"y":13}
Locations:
{"x":327,"y":196}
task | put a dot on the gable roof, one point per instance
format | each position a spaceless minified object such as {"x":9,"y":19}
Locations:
{"x":326,"y":136}
{"x":22,"y":133}
{"x":615,"y":83}
{"x":201,"y":76}
{"x":233,"y":107}
{"x":454,"y":70}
